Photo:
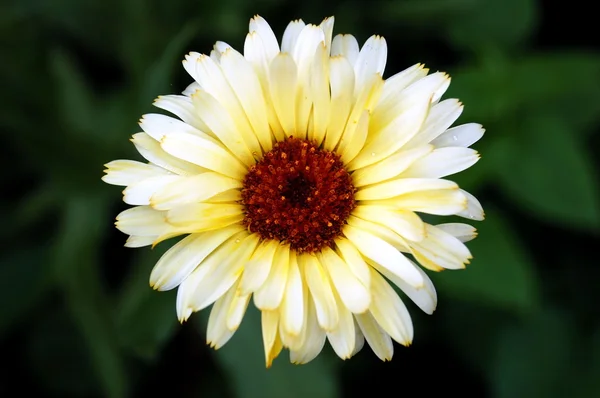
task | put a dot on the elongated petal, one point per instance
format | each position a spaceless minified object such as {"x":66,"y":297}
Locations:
{"x":129,"y":172}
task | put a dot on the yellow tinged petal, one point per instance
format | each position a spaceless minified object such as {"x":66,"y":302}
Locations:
{"x":258,"y":267}
{"x":442,"y":249}
{"x":473,"y":209}
{"x":270,"y":333}
{"x":321,"y":291}
{"x":320,"y":94}
{"x":354,"y":260}
{"x":269,"y":295}
{"x":402,"y":186}
{"x":355,"y":296}
{"x":139,"y":241}
{"x":141,"y":221}
{"x":441,"y":116}
{"x":395,"y":84}
{"x":313,"y":341}
{"x":354,"y":144}
{"x":343,"y":337}
{"x":152,"y":151}
{"x":292,"y":306}
{"x":346,"y":46}
{"x":462,"y":232}
{"x":129,"y":172}
{"x":379,"y":341}
{"x":398,"y":242}
{"x":371,"y":60}
{"x":181,"y":106}
{"x":217,"y":332}
{"x":197,"y":217}
{"x":442,"y":202}
{"x":405,"y":223}
{"x":237,"y":309}
{"x":342,"y":89}
{"x":327,"y":27}
{"x":283,"y":80}
{"x":141,"y":192}
{"x":264,"y":31}
{"x":290,"y":35}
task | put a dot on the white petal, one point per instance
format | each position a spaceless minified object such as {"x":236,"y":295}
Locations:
{"x":258,"y":267}
{"x":383,"y":254}
{"x":379,"y":341}
{"x":327,"y":27}
{"x":346,"y":46}
{"x":355,"y":296}
{"x":390,"y":167}
{"x":405,"y":223}
{"x":403,"y":186}
{"x":343,"y":337}
{"x":292,"y":306}
{"x":142,"y":221}
{"x":440,"y":250}
{"x":181,"y":106}
{"x":283,"y":76}
{"x":313,"y":341}
{"x":464,"y":135}
{"x":342,"y":88}
{"x":269,"y":295}
{"x":151,"y":150}
{"x":390,"y":312}
{"x":197,"y":217}
{"x":141,"y":192}
{"x":399,"y":82}
{"x":354,"y":260}
{"x":264,"y":31}
{"x":442,"y":162}
{"x":321,"y":291}
{"x":140,"y":241}
{"x":181,"y":259}
{"x":424,"y":297}
{"x":128,"y":172}
{"x":442,"y":202}
{"x":290,"y":35}
{"x":320,"y":94}
{"x":270,"y":334}
{"x":351,"y":145}
{"x":237,"y":309}
{"x":440,"y":117}
{"x":473,"y":209}
{"x":462,"y":232}
{"x":371,"y":60}
{"x":217,"y":332}
{"x":157,"y":126}
{"x":204,"y":153}
{"x":381,"y":232}
{"x":191,"y":89}
{"x":193,"y":189}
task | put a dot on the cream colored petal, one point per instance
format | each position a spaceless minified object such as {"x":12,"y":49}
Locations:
{"x":290,"y":35}
{"x":405,"y":223}
{"x":306,"y":44}
{"x":203,"y":153}
{"x":257,"y":269}
{"x":381,"y":232}
{"x":371,"y":60}
{"x":347,"y":46}
{"x":294,"y":339}
{"x":151,"y":150}
{"x":129,"y":172}
{"x":343,"y":337}
{"x":390,"y":167}
{"x":264,"y":31}
{"x":390,"y":312}
{"x":352,"y":144}
{"x":292,"y":306}
{"x":399,"y":82}
{"x":217,"y":332}
{"x":424,"y":297}
{"x":441,"y":202}
{"x":359,"y":339}
{"x":233,"y":195}
{"x":235,"y":133}
{"x":464,"y":135}
{"x":354,"y":295}
{"x":402,"y":186}
{"x":384,"y":254}
{"x":283,"y":85}
{"x":221,"y":47}
{"x":320,"y":94}
{"x":321,"y":291}
{"x":354,"y":260}
{"x":246,"y":85}
{"x":237,"y":309}
{"x":141,"y":221}
{"x":440,"y":249}
{"x":157,"y":126}
{"x":193,"y":189}
{"x":191,"y":89}
{"x":327,"y":27}
{"x":462,"y":232}
{"x":473,"y":209}
{"x":230,"y":259}
{"x":181,"y":106}
{"x":441,"y":116}
{"x":181,"y":259}
{"x":379,"y":341}
{"x":141,"y":192}
{"x":269,"y":295}
{"x":388,"y":138}
{"x":342,"y":89}
{"x":198,"y":217}
{"x":313,"y":341}
{"x":270,"y":333}
{"x":442,"y":162}
{"x":139,"y":241}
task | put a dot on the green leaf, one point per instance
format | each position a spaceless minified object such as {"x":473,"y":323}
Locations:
{"x":501,"y":273}
{"x":496,"y":23}
{"x":549,"y":173}
{"x":77,"y":270}
{"x":534,"y":359}
{"x":145,"y":319}
{"x":242,"y":359}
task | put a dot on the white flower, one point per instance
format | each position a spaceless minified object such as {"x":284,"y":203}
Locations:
{"x":297,"y":172}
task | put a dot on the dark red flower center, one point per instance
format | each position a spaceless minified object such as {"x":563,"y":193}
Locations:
{"x":298,"y":194}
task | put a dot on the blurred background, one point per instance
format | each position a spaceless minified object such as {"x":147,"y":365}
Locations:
{"x":77,"y":317}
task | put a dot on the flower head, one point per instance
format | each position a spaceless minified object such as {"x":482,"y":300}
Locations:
{"x":296,"y":173}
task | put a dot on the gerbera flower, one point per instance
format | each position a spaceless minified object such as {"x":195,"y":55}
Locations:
{"x":296,"y":173}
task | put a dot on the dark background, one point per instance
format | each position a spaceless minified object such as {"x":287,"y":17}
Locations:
{"x":77,"y":318}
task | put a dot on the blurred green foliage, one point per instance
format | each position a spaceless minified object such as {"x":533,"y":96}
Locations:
{"x":78,"y":318}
